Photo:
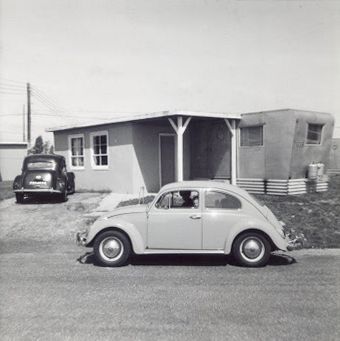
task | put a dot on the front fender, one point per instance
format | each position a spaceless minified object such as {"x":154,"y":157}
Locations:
{"x":265,"y":227}
{"x":137,"y":241}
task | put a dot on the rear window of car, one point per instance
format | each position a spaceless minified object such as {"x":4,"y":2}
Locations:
{"x":221,"y":200}
{"x":41,"y":165}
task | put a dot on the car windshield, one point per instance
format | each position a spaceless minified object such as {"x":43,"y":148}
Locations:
{"x":41,"y":165}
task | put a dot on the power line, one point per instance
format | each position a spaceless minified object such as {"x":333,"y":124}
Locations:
{"x":46,"y":104}
{"x":1,"y":115}
{"x":45,"y":97}
{"x":10,"y":86}
{"x":11,"y":92}
{"x":12,"y":81}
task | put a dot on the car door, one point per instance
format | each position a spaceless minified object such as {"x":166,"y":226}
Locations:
{"x":175,"y":223}
{"x":221,"y":211}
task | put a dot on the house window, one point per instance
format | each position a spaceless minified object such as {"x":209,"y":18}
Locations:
{"x":76,"y":147}
{"x":252,"y":136}
{"x":99,"y":149}
{"x":314,"y":133}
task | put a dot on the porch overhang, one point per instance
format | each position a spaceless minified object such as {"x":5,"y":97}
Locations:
{"x":182,"y":121}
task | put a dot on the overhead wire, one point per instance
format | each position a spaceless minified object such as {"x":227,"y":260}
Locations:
{"x":12,"y":81}
{"x":12,"y":87}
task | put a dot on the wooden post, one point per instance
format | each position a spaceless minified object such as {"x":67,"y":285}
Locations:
{"x":232,"y":130}
{"x":28,"y":87}
{"x":180,"y":129}
{"x":233,"y":153}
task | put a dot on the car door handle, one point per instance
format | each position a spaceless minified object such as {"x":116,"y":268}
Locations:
{"x":196,"y":216}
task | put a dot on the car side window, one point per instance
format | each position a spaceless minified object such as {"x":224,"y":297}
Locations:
{"x":221,"y":200}
{"x":178,"y":200}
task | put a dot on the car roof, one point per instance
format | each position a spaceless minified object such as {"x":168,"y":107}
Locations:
{"x":45,"y":156}
{"x":203,"y":184}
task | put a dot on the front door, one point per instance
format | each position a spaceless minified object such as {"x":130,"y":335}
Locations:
{"x":167,"y":158}
{"x":174,"y":222}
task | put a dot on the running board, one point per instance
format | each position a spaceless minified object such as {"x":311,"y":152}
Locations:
{"x":174,"y":251}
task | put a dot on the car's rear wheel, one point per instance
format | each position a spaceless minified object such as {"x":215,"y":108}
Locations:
{"x":251,"y":249}
{"x":19,"y":197}
{"x":112,"y":248}
{"x":63,"y":196}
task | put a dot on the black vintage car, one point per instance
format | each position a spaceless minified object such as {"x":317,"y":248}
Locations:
{"x":44,"y":174}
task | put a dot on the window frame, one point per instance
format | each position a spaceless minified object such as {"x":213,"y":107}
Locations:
{"x":321,"y":134}
{"x":252,"y":146}
{"x":220,"y":209}
{"x":93,"y":164}
{"x":71,"y":156}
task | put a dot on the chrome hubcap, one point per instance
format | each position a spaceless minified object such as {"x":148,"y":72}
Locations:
{"x":252,"y":249}
{"x":111,"y":248}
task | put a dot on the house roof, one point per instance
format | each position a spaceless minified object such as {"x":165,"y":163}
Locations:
{"x":13,"y":143}
{"x":146,"y":116}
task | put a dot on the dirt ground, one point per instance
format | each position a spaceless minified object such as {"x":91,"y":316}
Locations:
{"x":47,"y":220}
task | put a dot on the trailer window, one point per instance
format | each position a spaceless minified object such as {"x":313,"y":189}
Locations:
{"x":252,"y":136}
{"x":314,"y":133}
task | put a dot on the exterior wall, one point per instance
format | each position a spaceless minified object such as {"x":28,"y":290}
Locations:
{"x":272,"y":160}
{"x":211,"y":150}
{"x":146,"y":154}
{"x":146,"y":163}
{"x":133,"y":156}
{"x":284,"y":154}
{"x":334,"y":157}
{"x":11,"y":158}
{"x":251,"y":160}
{"x":303,"y":154}
{"x":120,"y":171}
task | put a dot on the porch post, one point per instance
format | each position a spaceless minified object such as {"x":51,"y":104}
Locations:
{"x":180,"y":129}
{"x":233,"y":153}
{"x":232,"y":130}
{"x":180,"y":148}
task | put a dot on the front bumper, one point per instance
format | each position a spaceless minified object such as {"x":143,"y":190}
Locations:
{"x":37,"y":190}
{"x":81,"y":238}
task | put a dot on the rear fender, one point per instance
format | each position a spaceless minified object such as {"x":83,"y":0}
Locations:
{"x":277,"y":241}
{"x":17,"y":183}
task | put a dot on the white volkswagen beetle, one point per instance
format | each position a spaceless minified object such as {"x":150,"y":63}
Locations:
{"x":192,"y":217}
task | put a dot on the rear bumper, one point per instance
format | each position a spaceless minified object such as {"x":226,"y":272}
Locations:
{"x":37,"y":190}
{"x":295,"y":244}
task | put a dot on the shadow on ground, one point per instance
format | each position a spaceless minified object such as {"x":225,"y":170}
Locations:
{"x":42,"y":199}
{"x":188,"y":260}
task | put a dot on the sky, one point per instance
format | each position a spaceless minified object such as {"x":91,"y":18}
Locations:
{"x":89,"y":60}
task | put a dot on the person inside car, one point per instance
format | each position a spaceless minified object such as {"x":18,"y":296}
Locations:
{"x":187,"y":201}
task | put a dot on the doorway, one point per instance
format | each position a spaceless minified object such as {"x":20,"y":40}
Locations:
{"x":167,"y":147}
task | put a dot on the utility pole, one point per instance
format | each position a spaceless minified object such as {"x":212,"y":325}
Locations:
{"x":29,"y":114}
{"x":23,"y":123}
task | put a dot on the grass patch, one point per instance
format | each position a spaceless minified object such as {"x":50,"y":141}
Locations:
{"x":101,"y":191}
{"x":6,"y":190}
{"x":136,"y":201}
{"x":315,"y":215}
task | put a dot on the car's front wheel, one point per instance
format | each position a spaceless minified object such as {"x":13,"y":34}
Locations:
{"x":251,"y":249}
{"x":112,"y":248}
